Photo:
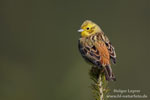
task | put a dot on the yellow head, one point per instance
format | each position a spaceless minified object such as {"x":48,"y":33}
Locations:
{"x":89,"y":28}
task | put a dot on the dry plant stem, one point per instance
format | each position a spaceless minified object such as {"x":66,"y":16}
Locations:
{"x":99,"y":85}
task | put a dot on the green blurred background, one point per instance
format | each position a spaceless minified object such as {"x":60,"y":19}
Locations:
{"x":39,"y":57}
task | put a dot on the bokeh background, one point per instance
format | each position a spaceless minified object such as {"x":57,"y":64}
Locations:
{"x":39,"y":57}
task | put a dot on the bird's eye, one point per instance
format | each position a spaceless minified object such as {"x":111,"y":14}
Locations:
{"x":87,"y":28}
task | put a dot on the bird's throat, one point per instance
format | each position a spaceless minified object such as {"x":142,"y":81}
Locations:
{"x":84,"y":34}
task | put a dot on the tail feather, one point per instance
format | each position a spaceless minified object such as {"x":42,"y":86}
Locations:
{"x":109,"y":74}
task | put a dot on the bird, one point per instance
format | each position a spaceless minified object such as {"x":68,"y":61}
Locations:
{"x":96,"y":48}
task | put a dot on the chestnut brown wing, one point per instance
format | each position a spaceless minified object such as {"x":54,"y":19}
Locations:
{"x":110,"y":48}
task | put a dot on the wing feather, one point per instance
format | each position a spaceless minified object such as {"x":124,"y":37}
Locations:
{"x":89,"y":52}
{"x":110,"y":47}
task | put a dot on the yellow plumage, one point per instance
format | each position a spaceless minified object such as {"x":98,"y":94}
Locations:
{"x":89,"y":28}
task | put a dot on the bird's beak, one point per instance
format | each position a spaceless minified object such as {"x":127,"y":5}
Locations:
{"x":80,"y":30}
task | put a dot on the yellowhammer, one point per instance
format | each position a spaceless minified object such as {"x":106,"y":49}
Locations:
{"x":96,"y":48}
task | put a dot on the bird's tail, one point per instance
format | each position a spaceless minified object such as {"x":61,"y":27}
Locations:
{"x":109,"y":74}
